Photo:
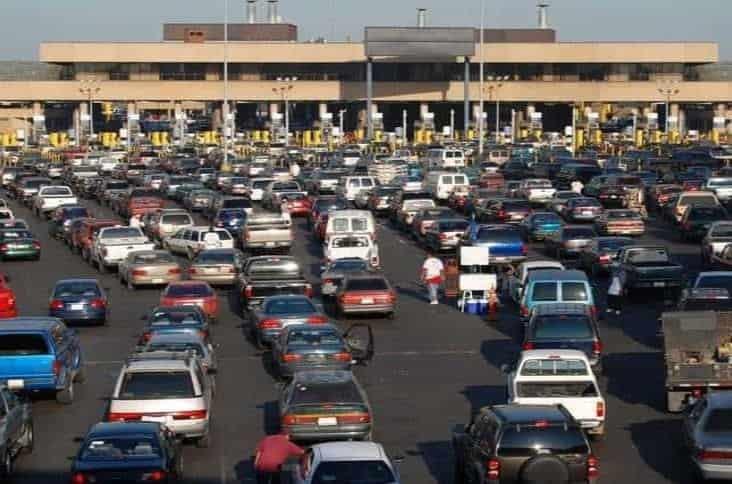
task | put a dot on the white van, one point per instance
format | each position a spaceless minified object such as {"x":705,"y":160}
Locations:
{"x":559,"y":377}
{"x":446,"y":158}
{"x":351,"y":186}
{"x":350,"y":222}
{"x":441,"y":184}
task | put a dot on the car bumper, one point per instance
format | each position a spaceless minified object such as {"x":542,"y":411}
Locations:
{"x":714,"y":471}
{"x":151,"y":280}
{"x":20,"y":253}
{"x":612,"y":231}
{"x":655,"y":284}
{"x":36,"y":383}
{"x":267,"y":245}
{"x":79,"y":315}
{"x":289,"y":369}
{"x":188,"y":429}
{"x":222,"y":279}
{"x":367,"y":308}
{"x":335,"y":432}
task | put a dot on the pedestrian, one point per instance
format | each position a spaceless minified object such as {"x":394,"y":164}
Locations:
{"x":294,"y":169}
{"x":577,"y":186}
{"x":272,"y":452}
{"x":135,"y":221}
{"x":615,"y":296}
{"x":433,"y":273}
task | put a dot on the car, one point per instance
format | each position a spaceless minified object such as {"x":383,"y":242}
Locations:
{"x":512,"y":211}
{"x":707,"y":436}
{"x":705,"y":299}
{"x":8,"y":301}
{"x":424,"y":219}
{"x":16,"y":427}
{"x":230,"y":218}
{"x":217,"y":266}
{"x":148,"y":267}
{"x":515,"y":444}
{"x":302,"y":347}
{"x":366,"y":292}
{"x":79,"y":300}
{"x":183,"y":342}
{"x":599,"y":256}
{"x":19,"y":244}
{"x":713,"y":279}
{"x":321,"y":405}
{"x":379,"y":199}
{"x":558,"y":377}
{"x":169,"y":388}
{"x":278,"y":312}
{"x":503,"y":241}
{"x":343,"y":462}
{"x":565,"y":326}
{"x":540,"y":224}
{"x":517,"y":282}
{"x":175,"y":319}
{"x":582,"y":209}
{"x":696,"y":221}
{"x":297,"y":203}
{"x":195,"y":293}
{"x":334,"y":271}
{"x":620,"y":222}
{"x":62,"y":217}
{"x":347,"y":246}
{"x":569,"y":241}
{"x":716,"y":239}
{"x":445,"y":234}
{"x":190,"y":241}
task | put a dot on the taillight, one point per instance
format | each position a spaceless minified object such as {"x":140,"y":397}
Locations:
{"x":354,"y":418}
{"x":702,"y":454}
{"x":291,"y":358}
{"x":343,"y":356}
{"x":493,"y":468}
{"x":600,"y":409}
{"x":190,"y":415}
{"x":596,"y":347}
{"x":270,"y":324}
{"x":593,"y":470}
{"x":317,"y":319}
{"x":57,"y":367}
{"x":155,"y":476}
{"x":604,"y":259}
{"x":443,"y":236}
{"x":248,"y":291}
{"x":524,"y":311}
{"x":146,"y":336}
{"x":123,"y":417}
{"x":289,"y":420}
{"x":174,"y":271}
{"x":37,"y":245}
{"x":98,"y":303}
{"x":392,"y":297}
{"x":501,"y":214}
{"x":139,"y":272}
{"x":78,"y":478}
{"x":308,"y":290}
{"x":11,"y":302}
{"x":57,"y":304}
{"x":219,"y":223}
{"x":192,"y":270}
{"x":528,"y":346}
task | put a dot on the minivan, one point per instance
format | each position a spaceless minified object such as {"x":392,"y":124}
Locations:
{"x":446,"y":158}
{"x":351,"y":221}
{"x":350,"y":186}
{"x":552,"y":286}
{"x":441,"y":184}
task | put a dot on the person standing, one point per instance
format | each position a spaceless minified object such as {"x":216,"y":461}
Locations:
{"x":433,"y":273}
{"x":136,"y":221}
{"x":615,"y":295}
{"x":294,"y":169}
{"x":577,"y":186}
{"x":272,"y":452}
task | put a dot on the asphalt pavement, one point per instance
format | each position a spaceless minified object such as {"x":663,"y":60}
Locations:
{"x":433,"y":367}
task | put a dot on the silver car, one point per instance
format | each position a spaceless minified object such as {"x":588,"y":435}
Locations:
{"x":165,"y":387}
{"x":708,"y":435}
{"x":217,"y":266}
{"x":184,"y":342}
{"x":148,"y":267}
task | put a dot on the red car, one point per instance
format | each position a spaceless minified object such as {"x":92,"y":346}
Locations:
{"x":193,"y":293}
{"x":8,"y":307}
{"x":298,"y":204}
{"x":366,"y":292}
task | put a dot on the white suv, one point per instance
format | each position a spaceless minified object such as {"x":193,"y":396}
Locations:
{"x":165,"y":387}
{"x":340,"y":462}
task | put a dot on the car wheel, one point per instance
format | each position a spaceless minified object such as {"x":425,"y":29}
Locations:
{"x":7,"y":464}
{"x":66,"y":396}
{"x":28,"y":438}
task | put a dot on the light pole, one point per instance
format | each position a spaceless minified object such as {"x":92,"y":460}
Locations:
{"x":341,"y":123}
{"x":494,"y":84}
{"x":480,"y":104}
{"x":89,"y":87}
{"x":668,"y":89}
{"x":225,"y":164}
{"x":288,"y":84}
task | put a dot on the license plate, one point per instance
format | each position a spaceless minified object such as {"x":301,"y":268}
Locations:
{"x":367,"y":300}
{"x":587,"y":213}
{"x":76,"y":306}
{"x":158,"y":280}
{"x":327,"y":421}
{"x":155,"y":419}
{"x":269,"y":244}
{"x":659,"y":284}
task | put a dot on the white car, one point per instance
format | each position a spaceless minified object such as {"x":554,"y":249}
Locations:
{"x":559,"y":377}
{"x":49,"y":198}
{"x":339,"y":462}
{"x":517,"y":281}
{"x":537,"y":189}
{"x":352,"y":245}
{"x":112,"y":245}
{"x":192,"y":240}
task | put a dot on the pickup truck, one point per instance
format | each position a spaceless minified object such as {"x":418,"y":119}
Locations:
{"x":264,"y":276}
{"x":111,"y":245}
{"x":49,"y":198}
{"x":267,"y":231}
{"x":648,"y":267}
{"x":41,"y":354}
{"x":697,"y":348}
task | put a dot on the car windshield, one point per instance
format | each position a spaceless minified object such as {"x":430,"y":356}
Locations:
{"x":75,"y":212}
{"x":313,"y":337}
{"x":188,"y":290}
{"x":289,"y":306}
{"x":79,"y":288}
{"x":353,"y":472}
{"x":156,"y":385}
{"x":707,"y":213}
{"x":116,"y":448}
{"x":713,"y":281}
{"x":157,"y":258}
{"x":562,"y":327}
{"x":211,"y":257}
{"x":164,"y":318}
{"x":721,"y":230}
{"x":22,"y":345}
{"x":556,"y":389}
{"x":121,"y":233}
{"x":529,"y":441}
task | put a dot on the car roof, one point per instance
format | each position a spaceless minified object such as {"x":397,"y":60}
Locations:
{"x":156,"y":361}
{"x":714,"y":273}
{"x":517,"y":414}
{"x":349,"y":451}
{"x":77,"y":279}
{"x":558,"y":275}
{"x":29,"y":323}
{"x":542,"y":263}
{"x":123,"y":428}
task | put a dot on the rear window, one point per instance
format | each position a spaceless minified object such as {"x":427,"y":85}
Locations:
{"x":719,"y":420}
{"x":556,"y":389}
{"x":554,"y":367}
{"x":76,"y":289}
{"x":579,"y":233}
{"x":613,"y":244}
{"x":698,"y":200}
{"x":453,"y":226}
{"x":348,"y":242}
{"x":562,"y":327}
{"x":544,"y":291}
{"x":156,"y":385}
{"x":118,"y":448}
{"x":121,"y":233}
{"x":499,"y":235}
{"x":707,"y":213}
{"x":529,"y":441}
{"x":188,"y":290}
{"x":75,"y":212}
{"x":157,"y":258}
{"x":313,"y":337}
{"x":367,"y":284}
{"x":214,"y":257}
{"x":712,"y":281}
{"x":22,"y":345}
{"x":359,"y":471}
{"x":460,"y":180}
{"x":574,"y":292}
{"x":56,"y":192}
{"x":177,"y":219}
{"x":261,"y":183}
{"x":289,"y":306}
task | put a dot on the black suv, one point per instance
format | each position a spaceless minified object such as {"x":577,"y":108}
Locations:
{"x":508,"y":444}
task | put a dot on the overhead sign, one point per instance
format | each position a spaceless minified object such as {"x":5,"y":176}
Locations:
{"x":133,"y":116}
{"x":428,"y":42}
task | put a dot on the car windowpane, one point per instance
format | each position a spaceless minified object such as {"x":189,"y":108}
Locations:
{"x":22,"y":344}
{"x":361,"y":472}
{"x":527,"y":441}
{"x":78,"y":289}
{"x":719,"y":420}
{"x":364,"y":284}
{"x":289,"y":306}
{"x":574,"y":291}
{"x":188,"y":290}
{"x":544,"y":291}
{"x":562,"y":327}
{"x":556,"y":389}
{"x":120,"y":448}
{"x":153,"y":385}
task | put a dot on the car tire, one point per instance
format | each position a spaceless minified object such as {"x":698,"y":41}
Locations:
{"x":28,"y":438}
{"x":66,"y":396}
{"x":391,"y":316}
{"x":6,"y":466}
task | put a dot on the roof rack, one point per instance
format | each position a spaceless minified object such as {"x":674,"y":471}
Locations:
{"x":158,"y":355}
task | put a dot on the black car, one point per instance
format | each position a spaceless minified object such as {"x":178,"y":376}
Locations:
{"x":597,"y":257}
{"x":569,"y":241}
{"x":565,"y":326}
{"x":503,"y":211}
{"x":705,"y":299}
{"x":60,"y":222}
{"x":696,"y":221}
{"x":506,"y":444}
{"x":515,"y":170}
{"x":127,"y":452}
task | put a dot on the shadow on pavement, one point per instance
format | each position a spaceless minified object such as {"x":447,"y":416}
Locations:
{"x":270,"y":417}
{"x":659,"y":445}
{"x":497,"y":352}
{"x":437,"y":456}
{"x":646,"y":384}
{"x":480,"y":396}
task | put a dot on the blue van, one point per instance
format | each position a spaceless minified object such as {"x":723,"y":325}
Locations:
{"x":552,"y":286}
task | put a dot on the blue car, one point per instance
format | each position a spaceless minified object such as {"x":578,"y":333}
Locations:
{"x":503,"y":241}
{"x":230,"y":218}
{"x":41,"y":354}
{"x":175,"y":319}
{"x":540,"y":224}
{"x":79,"y":301}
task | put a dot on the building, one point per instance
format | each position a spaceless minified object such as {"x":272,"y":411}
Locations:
{"x":527,"y":70}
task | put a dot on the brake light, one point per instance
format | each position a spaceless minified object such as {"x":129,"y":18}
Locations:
{"x":204,"y":334}
{"x":541,"y":424}
{"x":593,"y":464}
{"x":600,"y":409}
{"x":289,"y":420}
{"x":190,"y":415}
{"x":219,"y":223}
{"x":139,"y":272}
{"x":78,"y":478}
{"x":146,"y":337}
{"x":596,"y":347}
{"x":270,"y":324}
{"x":493,"y":467}
{"x":192,"y":270}
{"x":604,"y":259}
{"x":248,"y":291}
{"x":443,"y":236}
{"x":528,"y":346}
{"x":696,"y":393}
{"x":501,"y":213}
{"x":98,"y":303}
{"x":317,"y":319}
{"x":354,"y":418}
{"x":123,"y":417}
{"x":57,"y":304}
{"x":343,"y":356}
{"x":524,"y":311}
{"x":3,"y":247}
{"x":155,"y":476}
{"x":37,"y":245}
{"x":57,"y":367}
{"x":174,"y":271}
{"x":291,"y":358}
{"x":713,"y":455}
{"x":392,"y":297}
{"x":308,"y":290}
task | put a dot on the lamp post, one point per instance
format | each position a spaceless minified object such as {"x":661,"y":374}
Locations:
{"x":494,"y":84}
{"x":287,"y":85}
{"x":341,"y":123}
{"x":668,"y":89}
{"x":225,"y":164}
{"x":89,"y":87}
{"x":480,"y":104}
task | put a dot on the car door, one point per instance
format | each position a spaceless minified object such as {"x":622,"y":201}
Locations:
{"x":13,"y":420}
{"x":360,"y":341}
{"x":63,"y":352}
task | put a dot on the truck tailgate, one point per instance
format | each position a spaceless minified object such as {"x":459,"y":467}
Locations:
{"x":26,"y":366}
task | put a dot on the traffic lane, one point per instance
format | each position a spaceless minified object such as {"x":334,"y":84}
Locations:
{"x":244,"y":388}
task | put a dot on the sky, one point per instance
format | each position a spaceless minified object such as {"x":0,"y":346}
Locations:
{"x":27,"y":23}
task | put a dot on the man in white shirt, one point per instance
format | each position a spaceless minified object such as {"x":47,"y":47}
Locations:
{"x":577,"y":186}
{"x":433,"y":273}
{"x":135,"y":221}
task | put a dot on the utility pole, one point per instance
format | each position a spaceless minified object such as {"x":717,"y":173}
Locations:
{"x":668,"y":89}
{"x":89,"y":87}
{"x":284,"y":92}
{"x":494,"y":84}
{"x":482,"y":51}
